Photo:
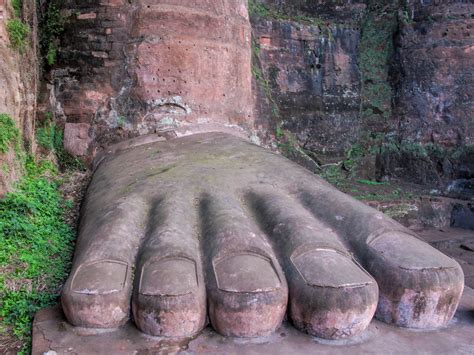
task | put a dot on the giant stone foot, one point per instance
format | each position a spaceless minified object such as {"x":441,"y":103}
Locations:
{"x":212,"y":227}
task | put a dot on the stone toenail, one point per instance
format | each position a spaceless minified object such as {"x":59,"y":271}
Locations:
{"x":409,"y":252}
{"x":173,"y":276}
{"x":329,"y":268}
{"x":246,"y":272}
{"x":100,"y":277}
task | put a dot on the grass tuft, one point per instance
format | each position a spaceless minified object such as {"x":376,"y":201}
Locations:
{"x":18,"y":34}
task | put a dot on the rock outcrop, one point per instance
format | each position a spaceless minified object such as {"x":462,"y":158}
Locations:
{"x":309,"y":81}
{"x":18,"y":82}
{"x":434,"y":98}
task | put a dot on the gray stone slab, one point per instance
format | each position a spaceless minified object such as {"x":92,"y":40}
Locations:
{"x":51,"y":332}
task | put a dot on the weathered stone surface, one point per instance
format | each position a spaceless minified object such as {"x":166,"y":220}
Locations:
{"x":51,"y":332}
{"x":313,"y":82}
{"x":435,"y":94}
{"x":131,"y":69}
{"x":77,"y":138}
{"x":344,"y":10}
{"x":18,"y":86}
{"x":211,"y":209}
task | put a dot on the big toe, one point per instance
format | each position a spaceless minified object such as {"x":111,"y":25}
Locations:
{"x":420,"y":286}
{"x":97,"y":294}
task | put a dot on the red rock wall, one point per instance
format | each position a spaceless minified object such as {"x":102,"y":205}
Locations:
{"x":18,"y":88}
{"x":435,"y":102}
{"x":313,"y":80}
{"x":134,"y":68}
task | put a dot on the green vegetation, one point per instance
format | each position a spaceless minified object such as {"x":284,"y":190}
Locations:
{"x":370,"y":182}
{"x":262,"y":80}
{"x":400,"y":211}
{"x":415,"y":150}
{"x":333,"y":174}
{"x":384,"y":195}
{"x":35,"y":248}
{"x":17,"y":30}
{"x":35,"y":242}
{"x":265,"y":85}
{"x":429,"y":152}
{"x":376,"y":51}
{"x":121,"y":121}
{"x":375,"y":55}
{"x":286,"y":141}
{"x":9,"y":133}
{"x":260,"y":10}
{"x":50,"y":137}
{"x":51,"y":26}
{"x":18,"y":34}
{"x":17,"y":6}
{"x":353,"y":156}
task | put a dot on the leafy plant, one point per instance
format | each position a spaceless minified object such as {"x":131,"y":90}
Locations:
{"x":33,"y":238}
{"x":121,"y":121}
{"x":18,"y":34}
{"x":51,"y":27}
{"x":17,"y":7}
{"x":51,"y":54}
{"x":9,"y":133}
{"x":50,"y":137}
{"x":353,"y":156}
{"x":258,"y":9}
{"x":370,"y":182}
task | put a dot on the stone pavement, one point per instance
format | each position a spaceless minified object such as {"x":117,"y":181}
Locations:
{"x":51,"y":333}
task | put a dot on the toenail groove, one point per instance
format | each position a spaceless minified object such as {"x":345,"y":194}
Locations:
{"x":328,"y":268}
{"x":237,"y":273}
{"x":409,"y":253}
{"x":101,"y":277}
{"x":169,"y":276}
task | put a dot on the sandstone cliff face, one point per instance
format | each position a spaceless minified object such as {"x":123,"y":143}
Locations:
{"x":434,"y":105}
{"x":337,"y":90}
{"x":18,"y":81}
{"x":136,"y":68}
{"x":436,"y":96}
{"x":310,"y":80}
